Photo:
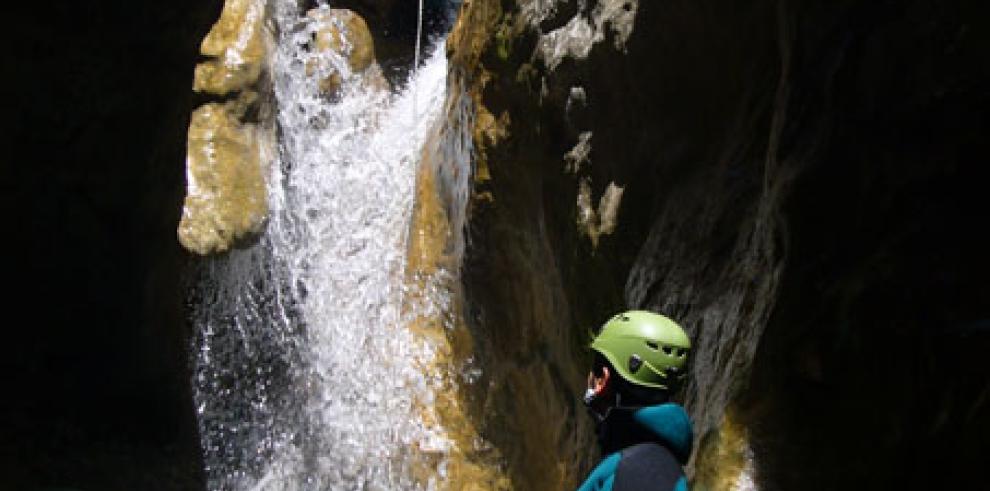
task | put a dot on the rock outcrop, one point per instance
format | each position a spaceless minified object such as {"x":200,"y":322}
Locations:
{"x":393,"y":25}
{"x":345,"y":34}
{"x":236,"y":46}
{"x":226,"y":199}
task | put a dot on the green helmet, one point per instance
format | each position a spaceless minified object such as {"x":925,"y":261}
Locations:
{"x":647,"y":349}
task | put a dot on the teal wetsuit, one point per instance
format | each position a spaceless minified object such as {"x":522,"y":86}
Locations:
{"x":645,"y":449}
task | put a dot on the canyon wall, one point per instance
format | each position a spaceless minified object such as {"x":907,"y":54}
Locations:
{"x":795,"y":182}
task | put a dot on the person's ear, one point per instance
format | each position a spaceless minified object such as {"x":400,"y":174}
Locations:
{"x":598,"y":384}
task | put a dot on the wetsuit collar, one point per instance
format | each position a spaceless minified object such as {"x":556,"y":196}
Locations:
{"x":667,"y":424}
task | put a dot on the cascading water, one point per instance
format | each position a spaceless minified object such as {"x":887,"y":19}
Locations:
{"x":306,"y":376}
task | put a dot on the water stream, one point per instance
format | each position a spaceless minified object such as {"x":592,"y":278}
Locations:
{"x":306,"y":376}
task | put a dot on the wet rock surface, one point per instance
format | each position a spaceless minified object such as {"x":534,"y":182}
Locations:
{"x":226,"y":160}
{"x":226,"y":201}
{"x":393,"y":25}
{"x":235,"y":48}
{"x":799,"y":187}
{"x":345,"y":34}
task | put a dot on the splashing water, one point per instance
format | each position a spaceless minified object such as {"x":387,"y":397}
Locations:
{"x":305,"y":376}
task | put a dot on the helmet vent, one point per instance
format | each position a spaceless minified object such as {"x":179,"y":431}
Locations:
{"x":653,"y":345}
{"x":668,"y":350}
{"x":634,"y":363}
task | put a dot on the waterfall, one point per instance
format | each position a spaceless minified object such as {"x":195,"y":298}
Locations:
{"x":306,"y":376}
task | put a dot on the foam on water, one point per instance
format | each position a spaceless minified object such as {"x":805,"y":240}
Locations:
{"x":306,"y":376}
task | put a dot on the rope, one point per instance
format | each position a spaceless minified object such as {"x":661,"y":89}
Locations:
{"x":415,"y":70}
{"x":419,"y":33}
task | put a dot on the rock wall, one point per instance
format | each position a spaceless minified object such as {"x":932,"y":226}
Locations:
{"x":796,"y":182}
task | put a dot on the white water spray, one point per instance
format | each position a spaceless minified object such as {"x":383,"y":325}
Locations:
{"x":306,"y":377}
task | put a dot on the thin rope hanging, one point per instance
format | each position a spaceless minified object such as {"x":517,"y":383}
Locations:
{"x":419,"y":34}
{"x":415,"y":70}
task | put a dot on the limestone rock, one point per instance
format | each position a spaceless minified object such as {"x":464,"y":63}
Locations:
{"x":725,"y":457}
{"x":225,"y":194}
{"x":596,"y":222}
{"x":346,"y":34}
{"x":236,"y":44}
{"x":226,"y":197}
{"x":614,"y":18}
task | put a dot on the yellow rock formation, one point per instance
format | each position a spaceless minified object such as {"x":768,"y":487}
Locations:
{"x":225,"y":190}
{"x":236,"y":44}
{"x":470,"y":463}
{"x":354,"y":42}
{"x":724,"y":460}
{"x":345,"y":33}
{"x":225,"y":197}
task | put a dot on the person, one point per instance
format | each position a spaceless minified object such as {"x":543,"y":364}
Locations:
{"x":640,"y":362}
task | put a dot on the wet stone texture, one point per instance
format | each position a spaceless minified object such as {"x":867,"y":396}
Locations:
{"x":799,"y":185}
{"x":345,"y":34}
{"x":229,"y":151}
{"x":393,"y":26}
{"x":226,"y":161}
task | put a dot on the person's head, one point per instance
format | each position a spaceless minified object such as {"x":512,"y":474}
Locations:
{"x":640,"y":360}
